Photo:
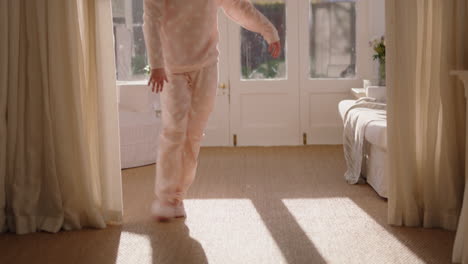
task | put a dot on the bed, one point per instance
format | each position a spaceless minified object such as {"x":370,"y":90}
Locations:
{"x":374,"y":167}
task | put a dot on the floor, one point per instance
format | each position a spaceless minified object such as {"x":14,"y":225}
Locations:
{"x":248,"y":205}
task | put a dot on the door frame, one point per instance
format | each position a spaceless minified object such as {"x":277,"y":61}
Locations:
{"x":218,"y":129}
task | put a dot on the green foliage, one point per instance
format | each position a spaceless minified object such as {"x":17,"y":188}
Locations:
{"x":139,"y":65}
{"x":245,"y":72}
{"x":269,"y":69}
{"x":147,"y":69}
{"x":378,"y":45}
{"x":380,"y":52}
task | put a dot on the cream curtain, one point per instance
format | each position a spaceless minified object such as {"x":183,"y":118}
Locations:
{"x":426,"y":111}
{"x":59,"y":159}
{"x":460,"y":249}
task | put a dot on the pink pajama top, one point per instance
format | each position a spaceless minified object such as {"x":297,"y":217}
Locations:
{"x":182,"y":35}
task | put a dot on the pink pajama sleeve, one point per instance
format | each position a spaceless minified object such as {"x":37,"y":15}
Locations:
{"x":246,"y":15}
{"x":152,"y":27}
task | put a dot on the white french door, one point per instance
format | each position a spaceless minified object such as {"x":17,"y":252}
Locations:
{"x":292,"y":100}
{"x":326,"y":54}
{"x":264,"y":91}
{"x":335,"y":57}
{"x":217,"y":132}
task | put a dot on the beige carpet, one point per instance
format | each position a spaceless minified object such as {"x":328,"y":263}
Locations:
{"x":248,"y":205}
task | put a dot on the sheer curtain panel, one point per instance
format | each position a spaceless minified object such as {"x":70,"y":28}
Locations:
{"x":460,"y":249}
{"x":426,"y":112}
{"x":59,"y":159}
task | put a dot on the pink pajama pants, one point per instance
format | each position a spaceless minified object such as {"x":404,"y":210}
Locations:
{"x":186,"y":103}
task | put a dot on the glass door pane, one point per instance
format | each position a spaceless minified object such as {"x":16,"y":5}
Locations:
{"x":332,"y":30}
{"x":130,"y":50}
{"x":256,"y":62}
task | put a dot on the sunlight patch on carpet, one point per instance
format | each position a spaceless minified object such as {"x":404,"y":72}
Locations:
{"x":225,"y":227}
{"x":334,"y":224}
{"x":131,"y":243}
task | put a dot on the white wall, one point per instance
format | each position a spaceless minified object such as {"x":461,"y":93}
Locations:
{"x":376,"y":26}
{"x":377,"y":17}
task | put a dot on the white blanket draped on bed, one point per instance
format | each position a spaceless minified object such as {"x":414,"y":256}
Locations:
{"x":356,"y":119}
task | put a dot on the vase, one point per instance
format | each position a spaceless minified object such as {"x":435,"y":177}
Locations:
{"x":381,"y":78}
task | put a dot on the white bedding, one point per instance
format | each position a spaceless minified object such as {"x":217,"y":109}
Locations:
{"x":376,"y":132}
{"x":357,"y":118}
{"x":376,"y":169}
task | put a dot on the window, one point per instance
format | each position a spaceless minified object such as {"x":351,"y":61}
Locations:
{"x":256,"y":62}
{"x":332,"y":28}
{"x":130,"y":51}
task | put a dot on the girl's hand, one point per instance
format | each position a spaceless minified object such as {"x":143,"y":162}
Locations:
{"x":157,"y":79}
{"x":275,"y":49}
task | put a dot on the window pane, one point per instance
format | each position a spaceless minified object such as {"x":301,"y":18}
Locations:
{"x":130,"y":51}
{"x":332,"y":27}
{"x":256,"y":62}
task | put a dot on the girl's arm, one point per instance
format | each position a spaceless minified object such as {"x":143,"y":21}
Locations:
{"x":246,"y":15}
{"x":153,"y":13}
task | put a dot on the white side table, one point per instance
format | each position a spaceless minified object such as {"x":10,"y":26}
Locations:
{"x":462,"y":233}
